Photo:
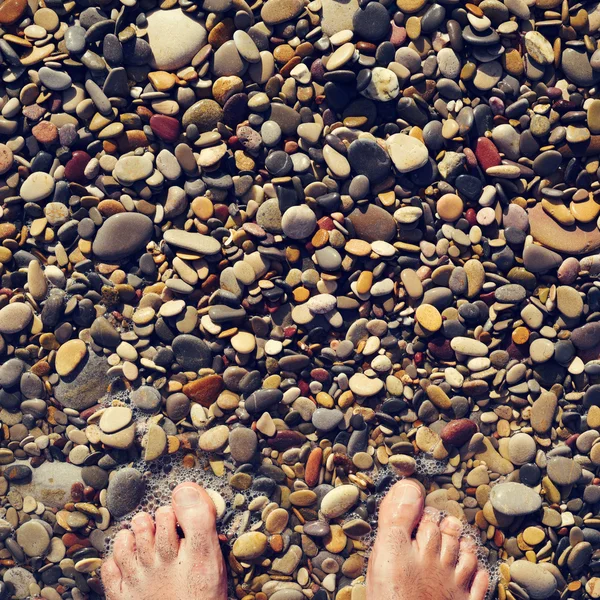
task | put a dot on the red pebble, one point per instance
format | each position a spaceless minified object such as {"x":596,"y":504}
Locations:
{"x":458,"y":432}
{"x":418,"y":358}
{"x":487,"y":154}
{"x":326,"y":223}
{"x":471,"y":217}
{"x":304,"y":389}
{"x":75,"y":168}
{"x":166,"y":128}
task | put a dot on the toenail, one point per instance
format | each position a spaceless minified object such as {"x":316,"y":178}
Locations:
{"x":452,"y":527}
{"x":186,"y":496}
{"x":408,"y":494}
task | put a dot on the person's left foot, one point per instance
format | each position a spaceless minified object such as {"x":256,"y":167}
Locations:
{"x":151,"y":562}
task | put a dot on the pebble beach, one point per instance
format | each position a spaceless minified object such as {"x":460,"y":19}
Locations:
{"x":295,"y":251}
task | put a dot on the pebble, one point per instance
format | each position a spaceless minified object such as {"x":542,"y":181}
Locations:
{"x":537,"y":581}
{"x":125,"y":490}
{"x":164,"y":26}
{"x":514,"y":499}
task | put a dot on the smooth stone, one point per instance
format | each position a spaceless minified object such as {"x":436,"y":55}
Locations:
{"x":15,"y":317}
{"x":86,"y":385}
{"x":521,"y":448}
{"x":191,"y":352}
{"x":37,"y":186}
{"x":514,"y":499}
{"x":373,"y":223}
{"x":542,"y":412}
{"x":125,"y":490}
{"x":537,"y":581}
{"x":33,"y":537}
{"x":368,"y":158}
{"x":274,"y":12}
{"x":122,"y":235}
{"x":174,"y":37}
{"x":563,"y":470}
{"x":130,"y":169}
{"x":339,"y":501}
{"x":576,"y":66}
{"x":576,"y":239}
{"x":372,"y":23}
{"x":243,"y":443}
{"x":115,"y":418}
{"x":69,"y":355}
{"x":406,"y":152}
{"x":250,"y":545}
{"x":298,"y":222}
{"x":194,"y":242}
{"x":538,"y":259}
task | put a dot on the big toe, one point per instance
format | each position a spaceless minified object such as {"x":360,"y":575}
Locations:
{"x":402,"y":508}
{"x":196,"y":515}
{"x":399,"y":514}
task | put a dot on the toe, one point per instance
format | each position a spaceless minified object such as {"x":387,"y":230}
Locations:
{"x":143,"y":528}
{"x":402,"y":508}
{"x":196,"y":515}
{"x":467,"y":563}
{"x":480,"y":585}
{"x":428,"y":536}
{"x":111,"y":579}
{"x":124,"y":553}
{"x":399,"y":514}
{"x":166,"y":542}
{"x":451,"y":529}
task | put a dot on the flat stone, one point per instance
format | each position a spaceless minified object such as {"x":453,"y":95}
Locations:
{"x":274,"y":12}
{"x":122,"y":235}
{"x":37,"y":187}
{"x":514,"y":499}
{"x":68,"y":356}
{"x":85,"y":385}
{"x":193,"y":242}
{"x":115,"y":418}
{"x":537,"y":581}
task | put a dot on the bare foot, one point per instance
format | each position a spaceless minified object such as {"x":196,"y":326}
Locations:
{"x":152,"y":562}
{"x":435,"y":564}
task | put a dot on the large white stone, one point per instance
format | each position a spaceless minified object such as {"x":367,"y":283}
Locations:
{"x":174,"y":38}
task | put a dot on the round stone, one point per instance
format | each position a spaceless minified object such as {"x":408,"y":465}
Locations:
{"x":298,"y":222}
{"x":33,"y":537}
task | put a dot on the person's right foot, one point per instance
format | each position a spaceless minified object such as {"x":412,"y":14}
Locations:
{"x":417,"y":559}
